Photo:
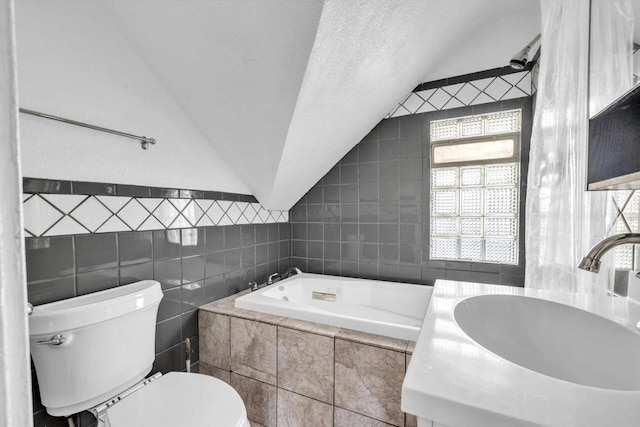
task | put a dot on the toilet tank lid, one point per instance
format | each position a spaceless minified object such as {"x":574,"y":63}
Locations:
{"x":93,"y":308}
{"x":180,"y":399}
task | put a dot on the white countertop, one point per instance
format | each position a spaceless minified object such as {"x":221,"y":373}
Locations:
{"x":453,"y":380}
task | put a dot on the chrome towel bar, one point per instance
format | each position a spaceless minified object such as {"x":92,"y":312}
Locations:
{"x":144,"y":141}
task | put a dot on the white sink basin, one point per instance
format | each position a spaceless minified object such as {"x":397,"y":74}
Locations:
{"x":554,"y":339}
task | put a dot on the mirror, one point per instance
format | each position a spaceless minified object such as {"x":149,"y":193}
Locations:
{"x":612,"y":31}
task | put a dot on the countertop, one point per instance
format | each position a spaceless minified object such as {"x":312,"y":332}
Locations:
{"x":454,"y":381}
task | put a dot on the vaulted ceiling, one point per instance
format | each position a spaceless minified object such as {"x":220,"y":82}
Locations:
{"x":282,"y":89}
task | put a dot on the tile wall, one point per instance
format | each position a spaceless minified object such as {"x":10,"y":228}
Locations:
{"x":369,"y":216}
{"x":194,"y":265}
{"x":484,"y":87}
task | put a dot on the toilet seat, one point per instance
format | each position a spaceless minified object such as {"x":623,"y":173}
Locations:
{"x":180,"y":399}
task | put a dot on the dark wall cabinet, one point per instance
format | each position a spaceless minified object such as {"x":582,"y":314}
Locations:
{"x":614,"y":145}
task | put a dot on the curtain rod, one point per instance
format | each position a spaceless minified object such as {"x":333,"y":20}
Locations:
{"x":144,"y":141}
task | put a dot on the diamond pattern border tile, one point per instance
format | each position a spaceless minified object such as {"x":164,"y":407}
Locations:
{"x":474,"y":92}
{"x":64,"y":214}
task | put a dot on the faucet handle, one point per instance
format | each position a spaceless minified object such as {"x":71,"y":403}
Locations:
{"x":273,"y":278}
{"x":29,"y":309}
{"x":292,"y":271}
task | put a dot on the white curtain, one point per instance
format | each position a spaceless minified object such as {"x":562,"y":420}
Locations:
{"x":15,"y":372}
{"x":562,"y":219}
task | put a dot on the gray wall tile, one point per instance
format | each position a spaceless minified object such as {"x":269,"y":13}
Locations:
{"x":170,"y":304}
{"x":261,"y":234}
{"x":349,"y":174}
{"x":49,"y":257}
{"x":192,"y":241}
{"x":349,"y":193}
{"x":332,"y":232}
{"x":231,"y":260}
{"x":167,"y":334}
{"x":331,"y":194}
{"x":168,"y":272}
{"x":135,"y":273}
{"x":189,"y":324}
{"x":94,"y":188}
{"x":193,"y":268}
{"x":315,"y":231}
{"x":96,"y":251}
{"x":214,"y":239}
{"x":214,"y":288}
{"x":96,"y":281}
{"x":214,"y":265}
{"x":247,"y":234}
{"x":332,"y":177}
{"x":262,"y":254}
{"x":388,"y":233}
{"x":368,"y":151}
{"x":169,"y":360}
{"x":34,"y":185}
{"x":51,"y":290}
{"x":135,"y":247}
{"x":368,"y":192}
{"x":165,"y":244}
{"x":383,"y":227}
{"x":232,"y":237}
{"x":192,"y":296}
{"x":248,"y":256}
{"x":315,"y":249}
{"x":368,"y":172}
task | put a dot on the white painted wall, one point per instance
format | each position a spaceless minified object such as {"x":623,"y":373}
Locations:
{"x":15,"y":372}
{"x":234,"y":66}
{"x":73,"y":63}
{"x":366,"y":58}
{"x":496,"y":38}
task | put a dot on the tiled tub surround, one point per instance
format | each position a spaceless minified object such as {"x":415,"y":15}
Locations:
{"x":195,"y":265}
{"x":369,"y":217}
{"x":295,"y":373}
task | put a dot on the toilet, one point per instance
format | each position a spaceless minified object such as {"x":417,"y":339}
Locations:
{"x":94,"y":353}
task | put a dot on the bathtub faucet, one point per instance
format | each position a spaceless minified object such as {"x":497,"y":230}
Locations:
{"x":292,"y":271}
{"x":591,"y":261}
{"x":273,"y":278}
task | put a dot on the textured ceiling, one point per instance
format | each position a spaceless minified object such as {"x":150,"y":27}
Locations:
{"x":283,"y":89}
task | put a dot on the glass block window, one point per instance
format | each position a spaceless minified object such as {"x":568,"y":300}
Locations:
{"x":475,"y":188}
{"x":473,"y":126}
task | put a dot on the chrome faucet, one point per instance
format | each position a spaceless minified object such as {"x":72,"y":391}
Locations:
{"x":591,"y":261}
{"x":273,"y":278}
{"x":292,"y":271}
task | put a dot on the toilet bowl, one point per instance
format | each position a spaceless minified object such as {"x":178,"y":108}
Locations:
{"x":94,"y":353}
{"x":177,"y":399}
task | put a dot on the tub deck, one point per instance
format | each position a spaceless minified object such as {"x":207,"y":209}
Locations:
{"x":391,"y":309}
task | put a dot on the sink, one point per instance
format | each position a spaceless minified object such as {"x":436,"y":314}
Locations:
{"x":554,"y":339}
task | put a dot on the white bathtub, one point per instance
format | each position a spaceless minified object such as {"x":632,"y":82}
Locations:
{"x":385,"y":308}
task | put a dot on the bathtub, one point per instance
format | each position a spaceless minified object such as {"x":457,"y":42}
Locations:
{"x":385,"y":308}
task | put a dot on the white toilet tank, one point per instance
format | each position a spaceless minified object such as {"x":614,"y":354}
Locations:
{"x":109,"y":345}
